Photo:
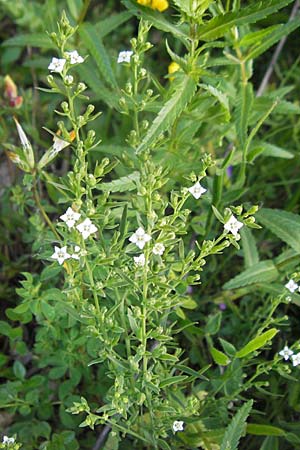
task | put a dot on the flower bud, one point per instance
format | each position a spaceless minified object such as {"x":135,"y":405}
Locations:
{"x":128,"y":88}
{"x":81,"y":87}
{"x":65,"y":107}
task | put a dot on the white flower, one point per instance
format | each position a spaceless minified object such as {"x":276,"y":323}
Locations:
{"x":178,"y":425}
{"x":291,"y":286}
{"x":75,"y":58}
{"x":60,"y":254}
{"x":68,"y":79}
{"x":140,"y":260}
{"x":86,"y":228}
{"x":197,"y":190}
{"x":59,"y":144}
{"x":8,"y":440}
{"x":158,"y":249}
{"x":140,"y":238}
{"x":125,"y":56}
{"x":233,"y":225}
{"x":286,"y":353}
{"x":57,"y":65}
{"x":70,"y":217}
{"x":296,"y":359}
{"x":76,"y":254}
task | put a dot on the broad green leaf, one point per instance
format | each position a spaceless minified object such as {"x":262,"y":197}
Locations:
{"x":236,"y":428}
{"x":170,"y":111}
{"x":262,"y":272}
{"x":264,"y":430}
{"x":219,"y":357}
{"x":256,"y":37}
{"x":281,"y":31}
{"x":219,"y":25}
{"x":257,"y":342}
{"x":172,"y":380}
{"x":249,"y":247}
{"x":213,"y":323}
{"x":40,"y":40}
{"x":109,"y":24}
{"x":283,"y":224}
{"x":94,"y":44}
{"x":157,"y":18}
{"x":243,"y":110}
{"x":123,"y":184}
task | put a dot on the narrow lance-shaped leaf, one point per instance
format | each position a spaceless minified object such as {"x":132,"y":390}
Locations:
{"x":249,"y":248}
{"x":243,"y":110}
{"x":170,"y":111}
{"x":283,"y":224}
{"x":257,"y":343}
{"x":219,"y":25}
{"x":262,"y":272}
{"x":219,"y":357}
{"x":236,"y":428}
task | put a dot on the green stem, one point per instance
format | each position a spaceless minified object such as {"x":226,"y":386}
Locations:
{"x":43,"y":212}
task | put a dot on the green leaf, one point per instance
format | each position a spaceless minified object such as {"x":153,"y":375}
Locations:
{"x":123,"y":184}
{"x":281,"y":31}
{"x":220,"y":96}
{"x":170,"y":111}
{"x":264,"y":430}
{"x":109,"y":24}
{"x":93,"y":43}
{"x":40,"y":40}
{"x":283,"y":224}
{"x":213,"y":324}
{"x":266,"y":149}
{"x":158,"y":19}
{"x":249,"y":248}
{"x":257,"y":342}
{"x":19,"y":370}
{"x":236,"y":428}
{"x":243,"y":111}
{"x":219,"y":25}
{"x":219,"y":357}
{"x":50,"y":272}
{"x":228,"y":348}
{"x":172,"y":380}
{"x":262,"y":272}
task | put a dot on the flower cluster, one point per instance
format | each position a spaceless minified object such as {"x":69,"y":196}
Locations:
{"x":57,"y":64}
{"x":85,"y":228}
{"x":287,"y":354}
{"x":140,"y":239}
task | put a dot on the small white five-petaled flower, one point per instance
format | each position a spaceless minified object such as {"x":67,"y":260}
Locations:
{"x":57,"y":65}
{"x":70,"y":217}
{"x":292,"y":286}
{"x":197,"y":190}
{"x":60,"y":254}
{"x":76,"y":254}
{"x":8,"y":440}
{"x":125,"y":56}
{"x":178,"y":425}
{"x":233,"y":225}
{"x":140,"y":238}
{"x":296,"y":359}
{"x":140,"y":260}
{"x":86,"y":228}
{"x":158,"y":249}
{"x":75,"y":58}
{"x":286,"y":353}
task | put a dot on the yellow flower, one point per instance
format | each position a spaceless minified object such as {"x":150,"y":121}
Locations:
{"x":159,"y":5}
{"x":173,"y":67}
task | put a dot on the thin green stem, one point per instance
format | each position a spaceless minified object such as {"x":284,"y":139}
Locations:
{"x":43,"y":212}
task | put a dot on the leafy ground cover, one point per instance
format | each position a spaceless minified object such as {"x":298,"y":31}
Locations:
{"x":149,"y":225}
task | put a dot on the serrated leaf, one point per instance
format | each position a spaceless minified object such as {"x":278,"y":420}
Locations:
{"x":123,"y":184}
{"x":169,"y":112}
{"x":243,"y":111}
{"x":249,"y":247}
{"x":264,"y":430}
{"x":40,"y":40}
{"x":257,"y":343}
{"x":236,"y":428}
{"x":219,"y":25}
{"x":262,"y":272}
{"x":94,"y":44}
{"x":283,"y":224}
{"x":280,"y":32}
{"x":220,"y":96}
{"x":157,"y":19}
{"x":219,"y":357}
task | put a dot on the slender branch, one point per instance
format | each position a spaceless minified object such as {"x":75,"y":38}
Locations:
{"x":102,"y":437}
{"x":274,"y":59}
